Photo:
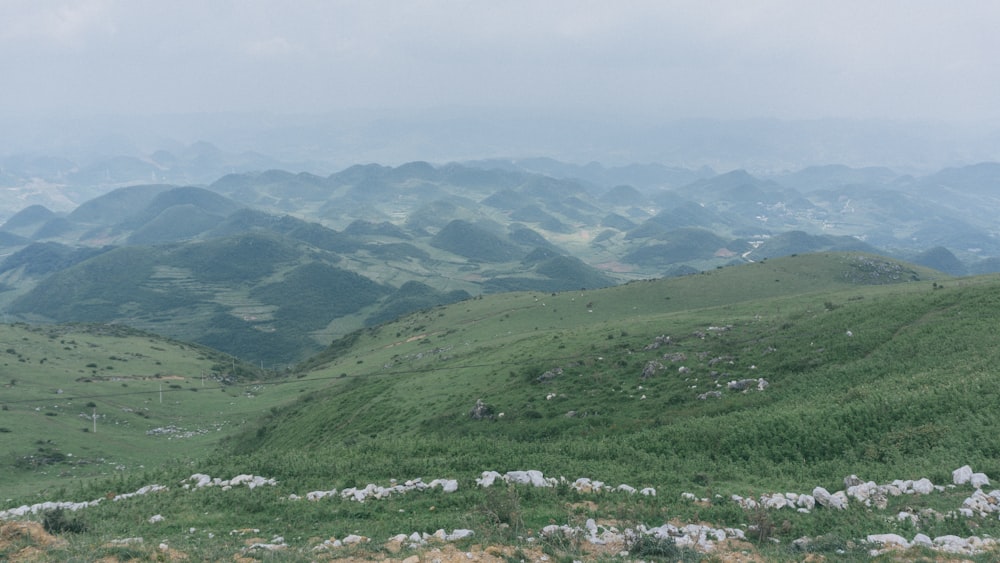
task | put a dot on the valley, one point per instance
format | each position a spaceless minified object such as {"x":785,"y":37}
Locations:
{"x":270,"y":266}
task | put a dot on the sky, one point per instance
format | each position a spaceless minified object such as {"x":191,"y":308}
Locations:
{"x":655,"y":59}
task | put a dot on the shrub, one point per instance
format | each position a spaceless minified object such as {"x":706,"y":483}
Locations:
{"x":501,"y":511}
{"x":646,"y":546}
{"x":761,"y":526}
{"x":56,"y":522}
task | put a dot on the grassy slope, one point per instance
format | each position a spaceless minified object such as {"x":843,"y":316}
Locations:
{"x":55,"y":378}
{"x":834,"y":405}
{"x":909,"y":393}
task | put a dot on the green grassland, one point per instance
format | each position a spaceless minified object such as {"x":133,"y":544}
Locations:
{"x":84,"y":401}
{"x":874,"y":367}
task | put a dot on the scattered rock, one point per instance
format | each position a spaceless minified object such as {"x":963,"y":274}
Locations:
{"x":962,"y":475}
{"x":481,"y":411}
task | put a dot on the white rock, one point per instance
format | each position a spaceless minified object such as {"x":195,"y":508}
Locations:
{"x":156,"y":518}
{"x":863,"y":492}
{"x":487,"y":478}
{"x":889,"y":539}
{"x":979,"y":480}
{"x":447,"y":485}
{"x":531,"y":477}
{"x":459,"y":534}
{"x":200,"y":480}
{"x":961,"y":475}
{"x":923,"y":486}
{"x":953,"y":544}
{"x":824,"y":498}
{"x":736,"y":533}
{"x":806,"y":501}
{"x":774,"y":502}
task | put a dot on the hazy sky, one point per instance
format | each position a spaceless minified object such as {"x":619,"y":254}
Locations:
{"x":663,"y":59}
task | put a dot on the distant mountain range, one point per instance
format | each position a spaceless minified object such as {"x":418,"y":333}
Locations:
{"x":271,"y":265}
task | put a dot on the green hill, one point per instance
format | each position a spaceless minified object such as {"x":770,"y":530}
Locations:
{"x":175,"y":223}
{"x":679,"y":245}
{"x":55,"y":378}
{"x":27,"y":219}
{"x":884,"y":381}
{"x":782,"y":375}
{"x":223,"y":292}
{"x":475,"y":243}
{"x":114,"y":206}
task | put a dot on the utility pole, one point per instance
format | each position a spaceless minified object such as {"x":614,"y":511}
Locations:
{"x":94,"y":417}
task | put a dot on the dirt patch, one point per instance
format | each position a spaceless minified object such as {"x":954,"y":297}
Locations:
{"x":26,"y":541}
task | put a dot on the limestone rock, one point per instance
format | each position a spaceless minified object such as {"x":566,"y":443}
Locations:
{"x":962,"y":475}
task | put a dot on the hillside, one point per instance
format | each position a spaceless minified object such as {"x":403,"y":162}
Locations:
{"x":594,"y":340}
{"x":268,"y":297}
{"x":57,"y":379}
{"x":181,"y":260}
{"x":785,"y":375}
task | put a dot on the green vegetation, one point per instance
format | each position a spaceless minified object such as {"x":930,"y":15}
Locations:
{"x":873,"y":367}
{"x":475,"y":243}
{"x":84,"y":401}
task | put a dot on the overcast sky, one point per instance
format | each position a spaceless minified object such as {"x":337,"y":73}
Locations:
{"x":905,"y":59}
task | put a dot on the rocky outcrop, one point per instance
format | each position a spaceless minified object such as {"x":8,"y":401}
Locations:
{"x":857,"y":494}
{"x":378,"y":492}
{"x":481,"y":411}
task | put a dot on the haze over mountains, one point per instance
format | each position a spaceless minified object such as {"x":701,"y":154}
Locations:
{"x":268,"y":264}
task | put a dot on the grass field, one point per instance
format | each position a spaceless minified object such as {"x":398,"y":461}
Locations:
{"x":84,"y":401}
{"x":872,"y":368}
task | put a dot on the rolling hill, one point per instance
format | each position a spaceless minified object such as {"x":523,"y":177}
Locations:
{"x":784,"y":375}
{"x":202,"y":256}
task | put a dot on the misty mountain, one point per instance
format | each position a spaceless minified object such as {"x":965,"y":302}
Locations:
{"x":834,"y":176}
{"x":250,"y":263}
{"x":681,"y":245}
{"x":476,"y":243}
{"x":41,"y":258}
{"x":112,"y":207}
{"x":798,"y":242}
{"x":26,"y":221}
{"x":942,"y":260}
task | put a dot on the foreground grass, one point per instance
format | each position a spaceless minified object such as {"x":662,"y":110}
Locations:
{"x":215,"y":524}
